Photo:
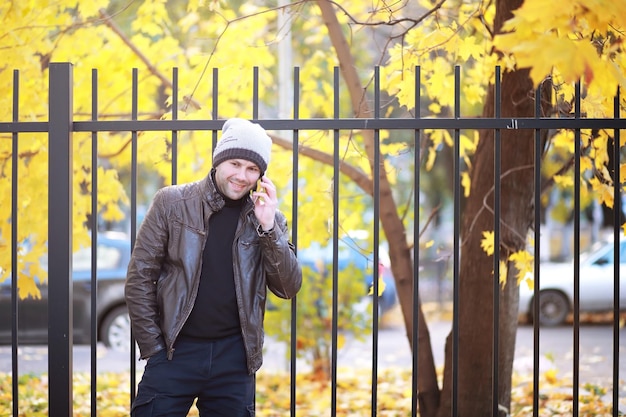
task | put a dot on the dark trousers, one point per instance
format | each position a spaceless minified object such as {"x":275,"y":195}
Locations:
{"x":213,"y":372}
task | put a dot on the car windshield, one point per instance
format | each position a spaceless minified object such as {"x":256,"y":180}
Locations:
{"x":602,"y":253}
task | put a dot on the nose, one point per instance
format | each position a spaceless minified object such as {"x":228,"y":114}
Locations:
{"x":240,"y":174}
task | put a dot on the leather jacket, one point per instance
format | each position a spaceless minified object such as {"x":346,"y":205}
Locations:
{"x":164,"y":269}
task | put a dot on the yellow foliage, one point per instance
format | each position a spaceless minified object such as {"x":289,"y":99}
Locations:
{"x":524,"y":263}
{"x":564,"y":181}
{"x":35,"y":34}
{"x":313,"y":395}
{"x":487,"y":243}
{"x":522,"y":260}
{"x":27,"y":286}
{"x":603,"y":191}
{"x":579,"y":40}
{"x":564,"y":139}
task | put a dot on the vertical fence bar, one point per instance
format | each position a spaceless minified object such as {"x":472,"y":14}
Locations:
{"x":133,"y":215}
{"x":255,"y":100}
{"x":416,"y":252}
{"x":60,"y":229}
{"x":94,"y":245}
{"x":255,"y":93}
{"x":576,"y":359}
{"x":294,"y":236}
{"x":457,"y":222}
{"x":537,"y":270}
{"x":496,"y":244}
{"x":336,"y":135}
{"x":14,"y":265}
{"x":617,"y":210}
{"x":175,"y":132}
{"x":214,"y":112}
{"x":375,"y":266}
{"x":60,"y":331}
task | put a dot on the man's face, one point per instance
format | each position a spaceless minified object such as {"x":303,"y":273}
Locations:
{"x":236,"y":177}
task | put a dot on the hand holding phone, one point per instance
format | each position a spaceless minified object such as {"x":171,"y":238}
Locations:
{"x":265,"y":202}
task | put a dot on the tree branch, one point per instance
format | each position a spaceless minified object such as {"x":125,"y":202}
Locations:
{"x":151,"y":67}
{"x":352,"y":172}
{"x":394,"y":22}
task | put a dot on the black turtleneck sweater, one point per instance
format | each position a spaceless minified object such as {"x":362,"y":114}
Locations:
{"x":215,"y":314}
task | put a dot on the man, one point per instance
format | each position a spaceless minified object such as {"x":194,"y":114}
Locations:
{"x":197,"y":282}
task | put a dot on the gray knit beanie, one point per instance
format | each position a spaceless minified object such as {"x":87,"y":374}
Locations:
{"x":242,"y":139}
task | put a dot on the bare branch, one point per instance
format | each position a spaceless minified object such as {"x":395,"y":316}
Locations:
{"x":486,"y":206}
{"x":412,"y":22}
{"x":352,"y":172}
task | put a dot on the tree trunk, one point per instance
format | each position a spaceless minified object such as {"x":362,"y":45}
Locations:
{"x":475,"y":361}
{"x":475,"y":364}
{"x":476,"y":283}
{"x":399,"y":253}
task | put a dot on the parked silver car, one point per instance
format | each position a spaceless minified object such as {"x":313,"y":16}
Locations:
{"x":113,"y":324}
{"x":596,"y":291}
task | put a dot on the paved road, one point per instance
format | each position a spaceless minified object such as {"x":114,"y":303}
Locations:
{"x":556,"y":351}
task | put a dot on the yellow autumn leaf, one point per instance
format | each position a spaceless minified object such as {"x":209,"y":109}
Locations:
{"x":550,"y":376}
{"x":603,"y":191}
{"x":524,"y":264}
{"x":564,"y":139}
{"x":564,"y":181}
{"x":27,"y":287}
{"x":341,"y":340}
{"x":487,"y":243}
{"x":381,"y":287}
{"x":430,"y":160}
{"x":468,"y":143}
{"x":466,"y":182}
{"x":470,"y":47}
{"x":586,"y":164}
{"x":504,"y":270}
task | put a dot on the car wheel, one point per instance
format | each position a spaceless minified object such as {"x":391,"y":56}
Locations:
{"x":115,"y":329}
{"x":553,"y":308}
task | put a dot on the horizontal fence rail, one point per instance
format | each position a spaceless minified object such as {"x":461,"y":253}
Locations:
{"x":326,"y":124}
{"x":61,"y":126}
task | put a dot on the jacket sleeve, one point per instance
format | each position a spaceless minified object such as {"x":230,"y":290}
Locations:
{"x":283,"y":272}
{"x":143,"y":273}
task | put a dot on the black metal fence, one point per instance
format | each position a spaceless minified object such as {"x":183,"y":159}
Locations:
{"x":60,"y":127}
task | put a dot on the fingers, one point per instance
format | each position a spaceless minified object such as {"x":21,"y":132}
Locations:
{"x":265,"y":203}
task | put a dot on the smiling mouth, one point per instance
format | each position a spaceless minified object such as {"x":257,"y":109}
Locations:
{"x":238,"y":187}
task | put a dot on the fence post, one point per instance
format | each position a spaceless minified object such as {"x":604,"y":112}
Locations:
{"x":60,"y":329}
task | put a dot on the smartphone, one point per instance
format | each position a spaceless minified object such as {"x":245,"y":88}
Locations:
{"x":259,"y":189}
{"x":259,"y":186}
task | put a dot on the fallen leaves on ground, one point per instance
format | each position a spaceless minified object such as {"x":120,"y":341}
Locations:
{"x":313,"y":397}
